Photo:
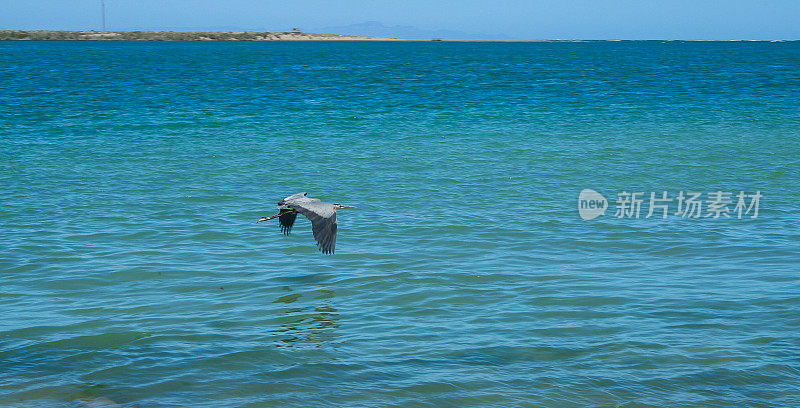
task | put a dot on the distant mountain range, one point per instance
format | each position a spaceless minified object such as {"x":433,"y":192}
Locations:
{"x":377,"y":29}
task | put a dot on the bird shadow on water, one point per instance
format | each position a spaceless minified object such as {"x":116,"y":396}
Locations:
{"x":305,"y":323}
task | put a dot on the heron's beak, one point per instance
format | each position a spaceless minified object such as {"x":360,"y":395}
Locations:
{"x":263,"y":219}
{"x":348,"y":206}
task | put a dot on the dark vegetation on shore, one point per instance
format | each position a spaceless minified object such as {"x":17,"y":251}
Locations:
{"x":45,"y":35}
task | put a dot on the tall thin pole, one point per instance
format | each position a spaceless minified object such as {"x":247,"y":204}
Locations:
{"x":103,"y":7}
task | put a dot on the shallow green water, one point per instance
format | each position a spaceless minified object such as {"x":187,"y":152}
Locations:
{"x":132,"y":269}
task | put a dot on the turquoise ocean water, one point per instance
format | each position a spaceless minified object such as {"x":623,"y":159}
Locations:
{"x":132,"y":269}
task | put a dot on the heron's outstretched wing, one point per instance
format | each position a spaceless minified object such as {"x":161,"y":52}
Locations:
{"x":288,"y":214}
{"x":286,"y":218}
{"x":293,"y":197}
{"x":323,"y":220}
{"x":325,"y":232}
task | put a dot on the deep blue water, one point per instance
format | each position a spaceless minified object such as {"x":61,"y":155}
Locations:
{"x":132,"y":269}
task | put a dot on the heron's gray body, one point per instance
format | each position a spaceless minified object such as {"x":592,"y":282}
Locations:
{"x":322,"y":216}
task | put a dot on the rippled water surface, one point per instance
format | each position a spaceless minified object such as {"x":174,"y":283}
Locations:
{"x":132,"y":271}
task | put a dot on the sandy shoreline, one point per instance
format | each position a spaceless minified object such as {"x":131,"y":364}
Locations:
{"x":47,"y":35}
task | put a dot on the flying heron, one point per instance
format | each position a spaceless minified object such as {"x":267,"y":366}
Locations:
{"x":322,"y":217}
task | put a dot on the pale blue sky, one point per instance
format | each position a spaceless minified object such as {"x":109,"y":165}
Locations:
{"x":516,"y":19}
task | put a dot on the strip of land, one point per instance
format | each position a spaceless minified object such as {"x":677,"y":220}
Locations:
{"x":295,"y":35}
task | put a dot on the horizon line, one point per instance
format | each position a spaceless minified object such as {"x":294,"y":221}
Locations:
{"x":395,"y":39}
